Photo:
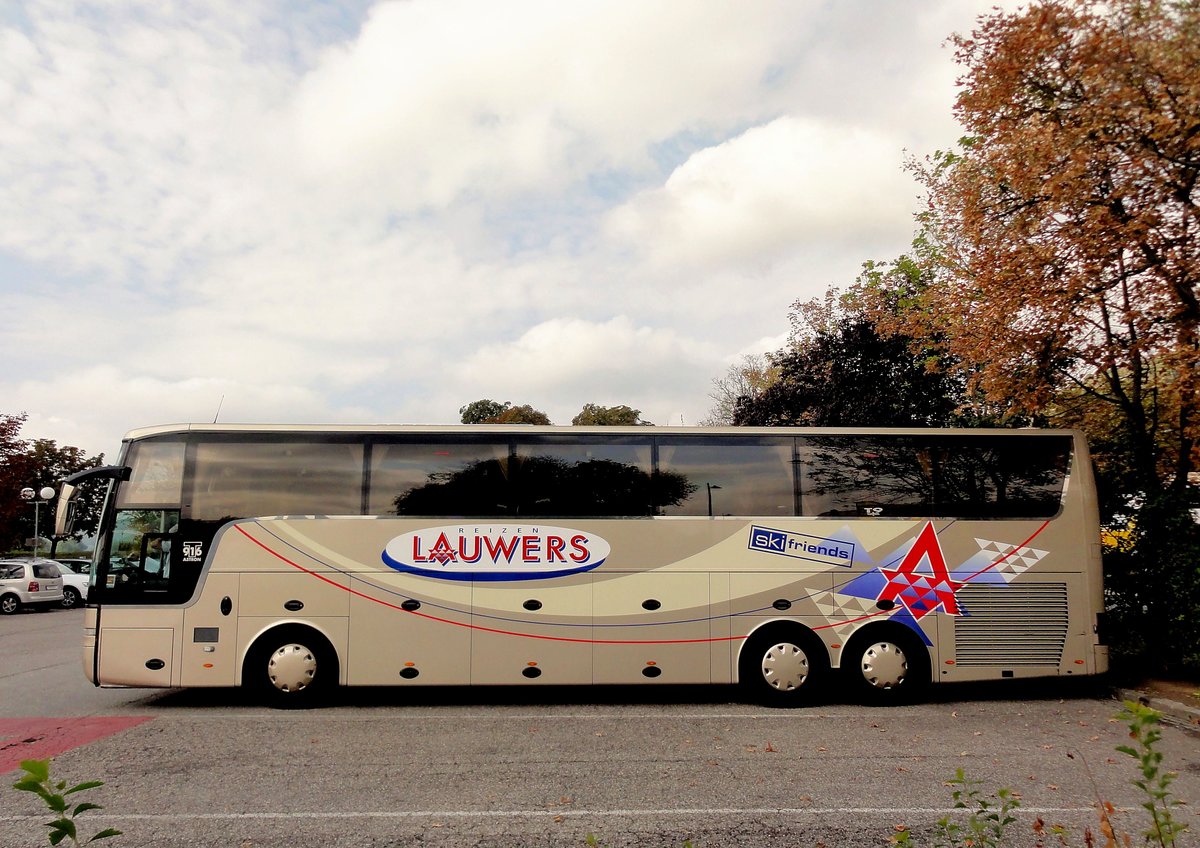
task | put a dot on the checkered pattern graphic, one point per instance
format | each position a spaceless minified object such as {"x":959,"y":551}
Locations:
{"x":1016,"y":561}
{"x":842,"y":611}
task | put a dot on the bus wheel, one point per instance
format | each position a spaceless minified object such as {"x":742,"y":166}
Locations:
{"x":886,"y":665}
{"x":9,"y":604}
{"x":292,"y":667}
{"x":783,"y":666}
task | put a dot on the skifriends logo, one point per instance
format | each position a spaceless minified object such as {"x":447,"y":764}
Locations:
{"x":801,"y":546}
{"x":495,"y":552}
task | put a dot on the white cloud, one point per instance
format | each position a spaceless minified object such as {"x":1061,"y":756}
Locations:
{"x":435,"y":101}
{"x":384,"y":211}
{"x":576,"y":361}
{"x":774,"y":190}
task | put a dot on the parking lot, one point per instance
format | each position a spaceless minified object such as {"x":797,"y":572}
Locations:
{"x":632,"y":766}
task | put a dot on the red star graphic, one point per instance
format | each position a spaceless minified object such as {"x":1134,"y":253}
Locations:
{"x":921,"y":594}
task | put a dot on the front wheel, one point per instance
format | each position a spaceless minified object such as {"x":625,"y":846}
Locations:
{"x":783,"y":666}
{"x":292,"y":668}
{"x":70,"y":598}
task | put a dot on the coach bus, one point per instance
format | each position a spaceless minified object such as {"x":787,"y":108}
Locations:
{"x":295,"y":559}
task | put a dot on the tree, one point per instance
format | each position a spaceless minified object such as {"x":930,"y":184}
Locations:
{"x":607,"y":416}
{"x":15,"y":474}
{"x":482,"y":411}
{"x":524,"y":414}
{"x":1067,"y":224}
{"x":1069,"y":221}
{"x":36,"y":464}
{"x":841,"y":372}
{"x":488,"y":411}
{"x":747,"y":378}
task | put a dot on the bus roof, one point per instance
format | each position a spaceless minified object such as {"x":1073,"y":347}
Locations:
{"x":534,"y":429}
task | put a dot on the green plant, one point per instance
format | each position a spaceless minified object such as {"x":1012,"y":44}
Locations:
{"x":1154,"y":782}
{"x":988,"y":819}
{"x":985,"y":824}
{"x":37,"y":780}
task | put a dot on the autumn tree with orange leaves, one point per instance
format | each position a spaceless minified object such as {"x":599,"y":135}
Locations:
{"x":1066,"y":229}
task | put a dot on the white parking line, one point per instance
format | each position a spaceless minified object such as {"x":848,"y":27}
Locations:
{"x":559,"y":813}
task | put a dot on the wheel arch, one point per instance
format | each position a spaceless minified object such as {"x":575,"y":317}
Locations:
{"x":887,"y":663}
{"x":271,"y":631}
{"x":782,"y":626}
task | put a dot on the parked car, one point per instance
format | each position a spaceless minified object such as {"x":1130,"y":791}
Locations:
{"x":77,"y":564}
{"x":75,"y":585}
{"x":37,"y":584}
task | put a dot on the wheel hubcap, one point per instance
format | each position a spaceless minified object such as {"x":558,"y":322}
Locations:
{"x":8,"y":605}
{"x":785,"y":667}
{"x":292,"y":668}
{"x":884,"y":665}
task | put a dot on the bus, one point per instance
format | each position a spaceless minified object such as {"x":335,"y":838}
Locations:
{"x":789,"y":561}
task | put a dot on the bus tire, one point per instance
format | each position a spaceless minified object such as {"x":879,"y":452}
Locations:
{"x":783,"y":665}
{"x":886,"y":664}
{"x":9,"y":604}
{"x":291,"y":667}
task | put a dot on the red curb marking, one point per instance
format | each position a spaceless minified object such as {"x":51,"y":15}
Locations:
{"x":42,"y":738}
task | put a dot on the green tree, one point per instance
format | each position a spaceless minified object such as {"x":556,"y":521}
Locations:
{"x":482,"y":411}
{"x":593,"y":415}
{"x":840,"y":371}
{"x":493,"y":412}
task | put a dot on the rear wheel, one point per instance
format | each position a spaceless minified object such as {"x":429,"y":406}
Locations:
{"x":784,"y":666}
{"x":886,"y":665}
{"x":70,"y":598}
{"x":9,"y":604}
{"x":292,"y":667}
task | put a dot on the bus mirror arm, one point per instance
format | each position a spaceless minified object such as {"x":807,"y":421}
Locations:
{"x":64,"y":513}
{"x":102,"y":472}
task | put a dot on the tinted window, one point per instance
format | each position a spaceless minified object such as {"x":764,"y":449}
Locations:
{"x":245,"y":479}
{"x":440,"y":478}
{"x":948,"y":476}
{"x":157,"y":474}
{"x":729,"y":476}
{"x":46,"y":571}
{"x":1001,"y":477}
{"x":12,"y":572}
{"x":583,"y":476}
{"x":864,"y":475}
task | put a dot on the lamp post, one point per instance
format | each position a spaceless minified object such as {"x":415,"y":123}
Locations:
{"x":38,"y":498}
{"x":710,"y":486}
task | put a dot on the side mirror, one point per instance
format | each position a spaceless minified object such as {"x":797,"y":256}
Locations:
{"x":64,"y":515}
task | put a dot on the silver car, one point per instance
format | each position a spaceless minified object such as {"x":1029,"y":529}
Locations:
{"x":38,"y":585}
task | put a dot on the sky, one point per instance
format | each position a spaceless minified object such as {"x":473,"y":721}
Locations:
{"x":378,"y":212}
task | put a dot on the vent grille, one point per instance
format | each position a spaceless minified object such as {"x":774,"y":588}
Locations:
{"x":1011,"y":626}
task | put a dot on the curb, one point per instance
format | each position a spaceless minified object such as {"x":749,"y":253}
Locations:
{"x":1173,"y":712}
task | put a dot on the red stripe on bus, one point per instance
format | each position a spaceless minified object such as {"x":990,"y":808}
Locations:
{"x":373,"y":599}
{"x":366,"y":597}
{"x":43,"y":738}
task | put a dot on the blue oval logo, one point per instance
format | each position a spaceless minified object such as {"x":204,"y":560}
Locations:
{"x":495,"y":552}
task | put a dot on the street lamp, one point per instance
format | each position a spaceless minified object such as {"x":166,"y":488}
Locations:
{"x":710,"y":486}
{"x":38,"y":498}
